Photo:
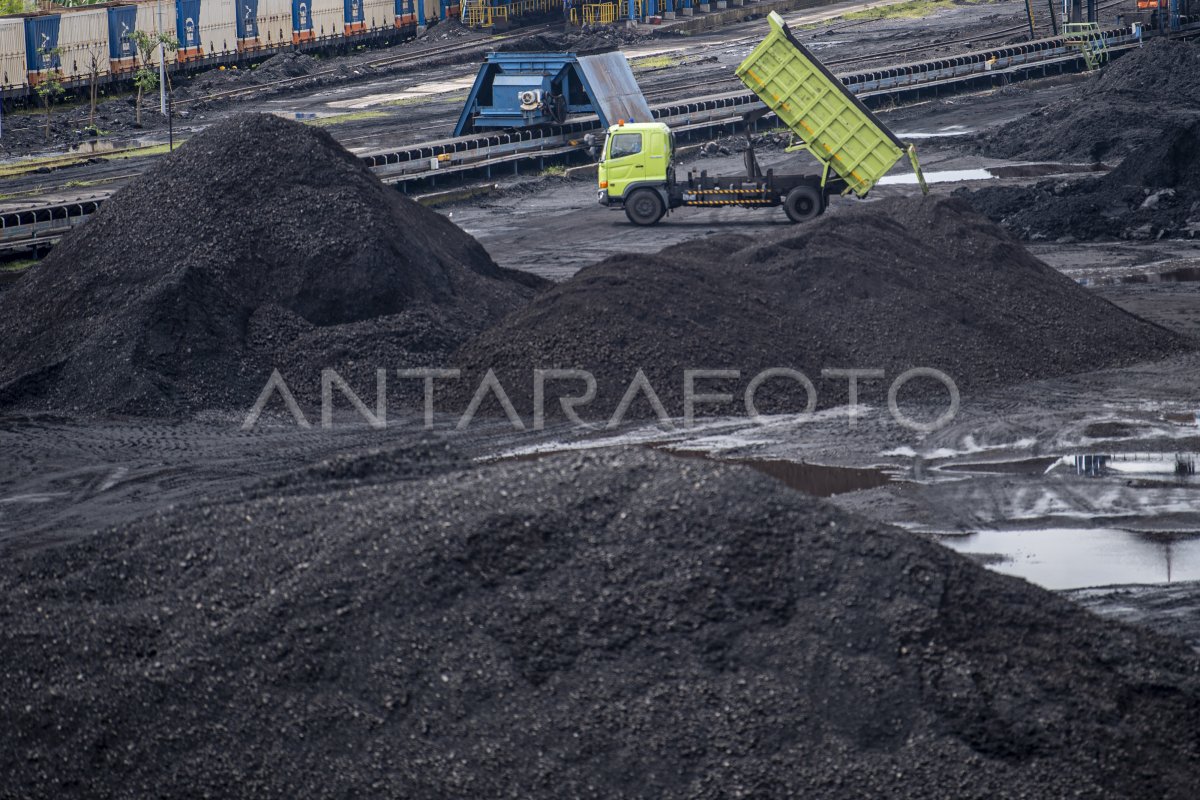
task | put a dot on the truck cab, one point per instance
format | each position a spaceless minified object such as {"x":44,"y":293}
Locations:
{"x":636,"y":170}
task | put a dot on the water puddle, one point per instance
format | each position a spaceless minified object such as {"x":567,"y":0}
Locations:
{"x":990,"y":173}
{"x":107,"y":145}
{"x":953,"y":130}
{"x":1178,"y":275}
{"x":1024,"y":466}
{"x":1070,"y":558}
{"x":815,"y":479}
{"x":945,"y":176}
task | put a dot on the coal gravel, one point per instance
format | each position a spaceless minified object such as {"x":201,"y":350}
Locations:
{"x":1124,"y":107}
{"x":890,"y":285}
{"x":1153,"y":194}
{"x":260,"y":244}
{"x":624,"y":624}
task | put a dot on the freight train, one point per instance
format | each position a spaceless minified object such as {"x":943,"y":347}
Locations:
{"x":79,"y":42}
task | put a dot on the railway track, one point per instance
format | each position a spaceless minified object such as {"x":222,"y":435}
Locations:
{"x":410,"y":56}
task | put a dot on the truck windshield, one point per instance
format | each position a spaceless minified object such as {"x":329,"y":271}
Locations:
{"x":625,"y":144}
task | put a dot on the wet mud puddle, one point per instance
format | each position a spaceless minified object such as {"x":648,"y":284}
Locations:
{"x":1076,"y":556}
{"x":816,"y":479}
{"x":990,"y":173}
{"x":1190,"y":273}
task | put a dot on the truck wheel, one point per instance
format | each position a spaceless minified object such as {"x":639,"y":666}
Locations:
{"x":803,"y":204}
{"x":644,"y":207}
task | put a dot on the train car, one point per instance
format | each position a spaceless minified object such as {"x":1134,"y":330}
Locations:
{"x":377,"y":15}
{"x":353,"y":17}
{"x":406,"y":13}
{"x":274,"y":23}
{"x":158,"y":16}
{"x":83,"y":43}
{"x":122,"y":51}
{"x":205,"y":28}
{"x":41,"y":46}
{"x":326,"y":19}
{"x":245,"y":21}
{"x":14,"y":75}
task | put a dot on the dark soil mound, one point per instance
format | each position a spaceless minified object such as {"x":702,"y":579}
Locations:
{"x":1123,"y":108}
{"x":1154,"y":193}
{"x":260,"y":244}
{"x":277,"y":67}
{"x":890,"y":285}
{"x":1164,"y":69}
{"x":623,"y":625}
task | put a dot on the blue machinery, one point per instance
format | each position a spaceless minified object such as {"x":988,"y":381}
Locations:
{"x":522,"y":90}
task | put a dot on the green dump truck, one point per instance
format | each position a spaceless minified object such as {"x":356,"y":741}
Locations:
{"x":852,"y":148}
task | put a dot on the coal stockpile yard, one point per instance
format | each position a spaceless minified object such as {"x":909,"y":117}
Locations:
{"x":788,"y":399}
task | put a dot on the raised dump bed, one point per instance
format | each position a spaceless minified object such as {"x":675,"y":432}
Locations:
{"x":827,"y":119}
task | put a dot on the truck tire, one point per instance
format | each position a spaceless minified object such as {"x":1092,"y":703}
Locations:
{"x":644,"y":207}
{"x":804,"y":203}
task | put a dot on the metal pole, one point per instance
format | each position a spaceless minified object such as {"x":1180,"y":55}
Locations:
{"x":162,"y":67}
{"x":1029,"y":11}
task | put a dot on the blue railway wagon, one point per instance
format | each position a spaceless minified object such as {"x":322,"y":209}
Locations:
{"x":353,"y":17}
{"x":245,"y":21}
{"x":41,"y":42}
{"x":406,"y":13}
{"x":122,"y":52}
{"x":205,"y":28}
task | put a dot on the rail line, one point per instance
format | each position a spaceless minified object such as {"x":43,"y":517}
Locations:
{"x":410,"y":56}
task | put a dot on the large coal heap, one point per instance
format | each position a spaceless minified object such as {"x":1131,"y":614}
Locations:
{"x":261,"y":243}
{"x":892,"y":285}
{"x":1154,"y":193}
{"x":617,"y":625}
{"x":1124,"y":107}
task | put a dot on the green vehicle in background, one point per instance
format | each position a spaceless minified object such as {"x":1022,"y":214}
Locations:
{"x":851,"y":146}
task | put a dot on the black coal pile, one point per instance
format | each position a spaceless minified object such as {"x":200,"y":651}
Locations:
{"x":1114,"y":113}
{"x":889,"y":286}
{"x":261,"y":244}
{"x":1153,"y":194}
{"x":281,"y":66}
{"x":617,"y":625}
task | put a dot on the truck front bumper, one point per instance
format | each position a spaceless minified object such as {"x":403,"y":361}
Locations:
{"x":602,"y":196}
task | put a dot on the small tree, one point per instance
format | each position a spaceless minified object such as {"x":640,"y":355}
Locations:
{"x":94,"y":62}
{"x":50,"y":84}
{"x":146,"y":77}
